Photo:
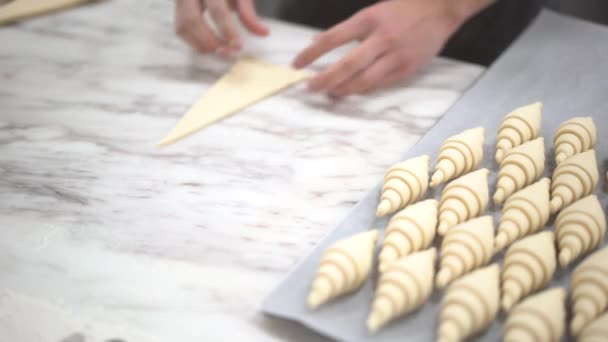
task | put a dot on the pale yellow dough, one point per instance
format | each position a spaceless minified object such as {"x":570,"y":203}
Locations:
{"x":411,"y":229}
{"x":343,"y":268}
{"x":247,"y":82}
{"x":596,"y":331}
{"x":521,"y":166}
{"x":575,"y":178}
{"x":528,"y":266}
{"x":22,"y":9}
{"x":404,"y":183}
{"x":589,"y":284}
{"x":470,"y":304}
{"x":404,"y":287}
{"x":524,"y":213}
{"x":538,"y":318}
{"x":580,"y":228}
{"x":518,"y":127}
{"x":462,"y":199}
{"x":465,"y":247}
{"x":458,"y":155}
{"x":574,"y":136}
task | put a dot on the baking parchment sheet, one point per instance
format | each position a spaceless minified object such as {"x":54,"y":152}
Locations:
{"x":560,"y":61}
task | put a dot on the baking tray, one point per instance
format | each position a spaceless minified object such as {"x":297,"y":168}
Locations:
{"x":560,"y":61}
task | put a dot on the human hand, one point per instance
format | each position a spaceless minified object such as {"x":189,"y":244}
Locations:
{"x":193,"y":28}
{"x":397,"y":38}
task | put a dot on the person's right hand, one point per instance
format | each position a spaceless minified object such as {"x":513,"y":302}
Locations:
{"x":192,"y":27}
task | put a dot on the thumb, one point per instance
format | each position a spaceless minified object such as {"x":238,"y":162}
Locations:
{"x":249,"y":17}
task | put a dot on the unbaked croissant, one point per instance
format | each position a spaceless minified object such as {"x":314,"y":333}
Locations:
{"x":589,"y":285}
{"x":538,"y":318}
{"x":404,"y":183}
{"x":574,"y":178}
{"x":465,"y":247}
{"x":574,"y":136}
{"x":411,"y":229}
{"x":470,"y":304}
{"x":343,"y":268}
{"x":462,"y":199}
{"x":525,"y":212}
{"x":580,"y":228}
{"x":596,"y":331}
{"x":529,"y":265}
{"x":518,"y":127}
{"x":521,"y":166}
{"x":458,"y":155}
{"x":404,"y":287}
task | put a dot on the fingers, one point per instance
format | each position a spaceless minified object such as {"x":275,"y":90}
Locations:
{"x":351,"y":64}
{"x":191,"y":26}
{"x":249,"y":17}
{"x":336,"y":36}
{"x":220,"y":13}
{"x":370,"y":78}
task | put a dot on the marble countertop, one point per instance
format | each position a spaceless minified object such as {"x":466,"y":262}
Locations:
{"x":104,"y":236}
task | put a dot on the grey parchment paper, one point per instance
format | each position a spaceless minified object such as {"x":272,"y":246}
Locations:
{"x":560,"y":61}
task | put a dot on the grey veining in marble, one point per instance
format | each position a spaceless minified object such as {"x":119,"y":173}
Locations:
{"x":103,"y":234}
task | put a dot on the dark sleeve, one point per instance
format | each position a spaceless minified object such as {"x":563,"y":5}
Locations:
{"x":484,"y":37}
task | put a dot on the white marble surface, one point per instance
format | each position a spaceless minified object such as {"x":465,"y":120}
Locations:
{"x":104,"y":235}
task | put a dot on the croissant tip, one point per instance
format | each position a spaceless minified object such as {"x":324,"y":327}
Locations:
{"x":556,"y":204}
{"x":500,"y":241}
{"x":565,"y":256}
{"x":559,"y":158}
{"x":383,"y":208}
{"x":499,"y":155}
{"x":506,"y":303}
{"x":314,"y":300}
{"x":436,"y":178}
{"x":443,"y":278}
{"x":373,"y":323}
{"x":499,"y":196}
{"x":577,"y":325}
{"x":442,"y":228}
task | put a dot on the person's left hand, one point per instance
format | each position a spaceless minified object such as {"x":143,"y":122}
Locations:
{"x":397,"y":38}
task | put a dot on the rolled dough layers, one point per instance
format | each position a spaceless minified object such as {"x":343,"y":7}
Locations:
{"x":518,"y":127}
{"x":528,"y":266}
{"x":596,"y":331}
{"x":458,"y":155}
{"x":404,"y":183}
{"x":465,"y":247}
{"x":574,"y":136}
{"x":525,"y":212}
{"x":470,"y":304}
{"x":411,"y":229}
{"x":521,"y":166}
{"x":343,"y":268}
{"x":589,"y":285}
{"x":573,"y":179}
{"x":463,"y":199}
{"x":580,"y":228}
{"x":404,"y":287}
{"x":538,"y":318}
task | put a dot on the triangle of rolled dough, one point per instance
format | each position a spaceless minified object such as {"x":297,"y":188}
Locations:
{"x":247,"y":82}
{"x":21,"y":9}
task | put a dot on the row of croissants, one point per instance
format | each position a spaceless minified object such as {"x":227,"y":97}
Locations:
{"x":474,"y":292}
